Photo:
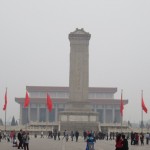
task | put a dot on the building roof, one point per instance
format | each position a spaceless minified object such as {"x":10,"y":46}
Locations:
{"x":63,"y":100}
{"x":66,"y":89}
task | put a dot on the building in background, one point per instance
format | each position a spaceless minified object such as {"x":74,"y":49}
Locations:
{"x":101,"y":99}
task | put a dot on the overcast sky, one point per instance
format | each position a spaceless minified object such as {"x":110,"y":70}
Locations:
{"x":34,"y":47}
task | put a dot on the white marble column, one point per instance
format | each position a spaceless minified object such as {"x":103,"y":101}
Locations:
{"x":104,"y":115}
{"x":38,"y":112}
{"x":95,"y":110}
{"x":29,"y":113}
{"x":56,"y":113}
{"x":113,"y":115}
{"x":47,"y":115}
{"x":20,"y":120}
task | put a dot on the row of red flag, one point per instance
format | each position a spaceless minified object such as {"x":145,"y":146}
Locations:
{"x":49,"y":102}
{"x":144,"y":108}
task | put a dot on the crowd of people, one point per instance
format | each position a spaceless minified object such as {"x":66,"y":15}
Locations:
{"x":136,"y":139}
{"x":21,"y":138}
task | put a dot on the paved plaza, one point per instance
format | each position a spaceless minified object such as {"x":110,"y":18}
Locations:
{"x":50,"y":144}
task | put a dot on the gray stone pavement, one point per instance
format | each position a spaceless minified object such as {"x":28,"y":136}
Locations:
{"x":50,"y":144}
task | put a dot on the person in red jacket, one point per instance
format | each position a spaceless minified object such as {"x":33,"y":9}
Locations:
{"x":119,"y":142}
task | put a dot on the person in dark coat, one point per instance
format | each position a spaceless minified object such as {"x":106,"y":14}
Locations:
{"x":142,"y":138}
{"x":72,"y":135}
{"x":77,"y":135}
{"x":20,"y":139}
{"x":0,"y":135}
{"x":132,"y":138}
{"x":125,"y":143}
{"x":90,"y":142}
{"x":119,"y":142}
{"x":58,"y":134}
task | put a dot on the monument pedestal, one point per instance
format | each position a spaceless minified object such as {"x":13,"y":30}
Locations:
{"x":78,"y":120}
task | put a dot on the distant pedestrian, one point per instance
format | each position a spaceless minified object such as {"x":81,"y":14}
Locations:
{"x":147,"y":138}
{"x":90,"y":142}
{"x":64,"y":134}
{"x":136,"y":138}
{"x":119,"y":142}
{"x":72,"y":135}
{"x":77,"y":135}
{"x":0,"y":135}
{"x":132,"y":138}
{"x":42,"y":134}
{"x":55,"y":134}
{"x":84,"y":134}
{"x":20,"y":139}
{"x":125,"y":143}
{"x":67,"y":137}
{"x":35,"y":135}
{"x":107,"y":136}
{"x":142,"y":138}
{"x":26,"y":139}
{"x":58,"y":134}
{"x":110,"y":135}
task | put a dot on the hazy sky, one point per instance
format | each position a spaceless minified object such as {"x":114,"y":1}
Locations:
{"x":34,"y":47}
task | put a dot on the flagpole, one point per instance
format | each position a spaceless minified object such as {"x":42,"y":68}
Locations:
{"x":5,"y":107}
{"x":141,"y":112}
{"x":46,"y":114}
{"x":121,"y":123}
{"x":122,"y":110}
{"x":5,"y":120}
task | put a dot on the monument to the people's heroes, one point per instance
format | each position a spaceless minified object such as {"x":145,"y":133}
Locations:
{"x":78,"y":114}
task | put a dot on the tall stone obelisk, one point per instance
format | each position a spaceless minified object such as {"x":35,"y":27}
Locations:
{"x":78,"y":114}
{"x":79,"y":70}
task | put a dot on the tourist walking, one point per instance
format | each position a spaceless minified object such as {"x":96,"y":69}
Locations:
{"x":0,"y":135}
{"x":58,"y":134}
{"x":136,"y":139}
{"x":72,"y":135}
{"x":26,"y":140}
{"x":90,"y":142}
{"x":119,"y":142}
{"x":142,"y":138}
{"x":125,"y":143}
{"x":55,"y":134}
{"x":84,"y":134}
{"x":67,"y":137}
{"x":42,"y":134}
{"x":77,"y":135}
{"x":20,"y":139}
{"x":147,"y":138}
{"x":132,"y":138}
{"x":64,"y":134}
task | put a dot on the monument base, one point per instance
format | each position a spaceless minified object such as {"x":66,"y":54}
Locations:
{"x":78,"y":120}
{"x":78,"y":106}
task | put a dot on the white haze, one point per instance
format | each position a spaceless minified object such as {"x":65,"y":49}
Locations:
{"x":34,"y":47}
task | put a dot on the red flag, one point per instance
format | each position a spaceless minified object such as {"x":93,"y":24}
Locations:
{"x":49,"y":103}
{"x":143,"y":105}
{"x":5,"y":105}
{"x":121,"y":105}
{"x":27,"y":100}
